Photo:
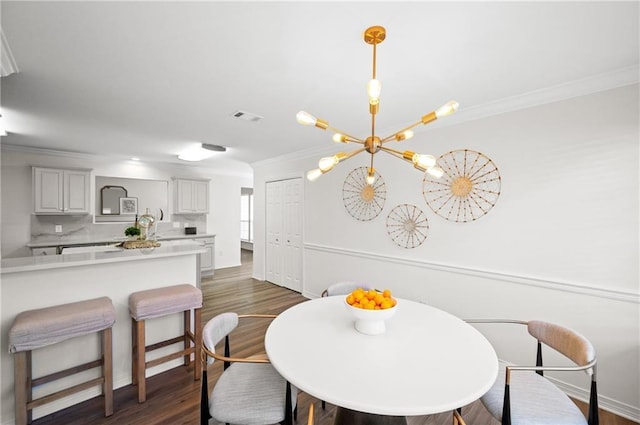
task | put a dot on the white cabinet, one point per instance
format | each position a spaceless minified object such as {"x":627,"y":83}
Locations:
{"x":207,"y":259}
{"x":58,"y":191}
{"x":192,"y":196}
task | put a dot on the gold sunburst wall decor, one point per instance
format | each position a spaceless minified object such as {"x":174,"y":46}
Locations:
{"x":467,"y":190}
{"x":407,"y":226}
{"x":362,"y":200}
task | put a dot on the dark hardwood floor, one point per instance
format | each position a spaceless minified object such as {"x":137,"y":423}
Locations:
{"x":173,"y":397}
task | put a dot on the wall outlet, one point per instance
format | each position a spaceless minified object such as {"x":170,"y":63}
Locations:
{"x":176,"y":224}
{"x":58,"y":228}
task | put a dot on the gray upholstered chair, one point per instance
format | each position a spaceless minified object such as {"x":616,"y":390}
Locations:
{"x":522,"y":395}
{"x":343,"y":288}
{"x":249,"y":390}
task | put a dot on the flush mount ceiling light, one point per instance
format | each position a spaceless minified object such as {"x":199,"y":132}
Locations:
{"x":200,"y":152}
{"x":373,"y":144}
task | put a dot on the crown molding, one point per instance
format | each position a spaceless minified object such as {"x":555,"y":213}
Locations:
{"x":583,"y":87}
{"x":7,"y":61}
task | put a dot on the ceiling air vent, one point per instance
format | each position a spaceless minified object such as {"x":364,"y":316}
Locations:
{"x":247,"y":116}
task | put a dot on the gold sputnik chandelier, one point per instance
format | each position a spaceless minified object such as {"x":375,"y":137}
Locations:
{"x":373,"y":144}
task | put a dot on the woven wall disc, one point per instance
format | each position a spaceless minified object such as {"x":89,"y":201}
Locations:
{"x":468,"y":189}
{"x":363,"y":201}
{"x":407,"y":226}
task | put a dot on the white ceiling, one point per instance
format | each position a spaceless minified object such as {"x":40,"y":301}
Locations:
{"x":150,"y":79}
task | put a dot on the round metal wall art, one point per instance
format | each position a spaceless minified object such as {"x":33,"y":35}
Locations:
{"x":407,"y":226}
{"x":362,"y":200}
{"x":468,"y":189}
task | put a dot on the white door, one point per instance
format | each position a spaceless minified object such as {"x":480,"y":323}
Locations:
{"x":284,"y":233}
{"x":274,"y":232}
{"x":292,"y":235}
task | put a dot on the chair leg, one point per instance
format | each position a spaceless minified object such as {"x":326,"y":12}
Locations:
{"x":288,"y":407}
{"x":20,"y":379}
{"x":107,"y":370}
{"x":594,"y":418}
{"x":506,"y":407}
{"x":29,"y":386}
{"x":134,"y":352}
{"x":185,"y":332}
{"x":197,"y":332}
{"x":140,"y":361}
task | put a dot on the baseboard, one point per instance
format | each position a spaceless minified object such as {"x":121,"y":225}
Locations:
{"x":621,"y":409}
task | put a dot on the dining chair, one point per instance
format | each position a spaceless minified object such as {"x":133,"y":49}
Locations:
{"x":249,"y":390}
{"x":343,"y":288}
{"x":522,"y":395}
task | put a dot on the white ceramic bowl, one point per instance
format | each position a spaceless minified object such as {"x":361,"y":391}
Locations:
{"x":371,"y":322}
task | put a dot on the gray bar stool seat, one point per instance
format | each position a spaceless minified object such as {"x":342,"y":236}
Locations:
{"x":158,"y":302}
{"x":39,"y":328}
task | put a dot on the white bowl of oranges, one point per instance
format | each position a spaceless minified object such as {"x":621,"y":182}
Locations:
{"x":371,"y":308}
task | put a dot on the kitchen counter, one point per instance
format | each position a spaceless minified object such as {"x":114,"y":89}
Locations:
{"x":45,"y":262}
{"x":100,"y":240}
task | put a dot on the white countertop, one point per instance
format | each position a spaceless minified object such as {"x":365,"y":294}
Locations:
{"x":428,"y":361}
{"x":44,"y":262}
{"x":87,"y":240}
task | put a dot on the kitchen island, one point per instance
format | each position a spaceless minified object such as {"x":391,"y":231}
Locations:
{"x":37,"y":282}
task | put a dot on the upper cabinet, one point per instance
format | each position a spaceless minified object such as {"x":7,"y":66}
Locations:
{"x":192,"y":196}
{"x":60,"y":191}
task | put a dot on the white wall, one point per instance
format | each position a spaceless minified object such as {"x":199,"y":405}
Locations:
{"x":17,"y":203}
{"x":560,"y":245}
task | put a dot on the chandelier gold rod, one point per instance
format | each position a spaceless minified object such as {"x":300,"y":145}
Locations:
{"x":399,"y":155}
{"x":393,"y":135}
{"x":349,"y":137}
{"x":351,"y":154}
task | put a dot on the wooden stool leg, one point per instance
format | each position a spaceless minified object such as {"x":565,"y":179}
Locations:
{"x":20,"y":380}
{"x":197,"y":331}
{"x":187,"y":339}
{"x":29,"y":386}
{"x":140,"y":361}
{"x":107,"y":370}
{"x":134,"y":352}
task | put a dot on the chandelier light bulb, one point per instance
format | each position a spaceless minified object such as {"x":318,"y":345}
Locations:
{"x":327,"y":163}
{"x":405,"y":135}
{"x":447,"y":109}
{"x":374,"y":87}
{"x":424,"y":161}
{"x":314,"y":174}
{"x":371,"y":178}
{"x":436,"y":172}
{"x":306,"y":118}
{"x":340,"y":138}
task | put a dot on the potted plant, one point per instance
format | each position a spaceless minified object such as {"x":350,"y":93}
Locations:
{"x":133,"y":232}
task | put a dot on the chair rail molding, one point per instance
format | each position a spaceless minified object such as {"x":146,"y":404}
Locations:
{"x":612,"y":294}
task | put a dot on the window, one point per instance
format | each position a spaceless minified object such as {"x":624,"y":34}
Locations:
{"x":246,"y":214}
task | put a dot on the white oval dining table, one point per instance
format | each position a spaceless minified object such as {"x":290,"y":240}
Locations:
{"x":427,"y":361}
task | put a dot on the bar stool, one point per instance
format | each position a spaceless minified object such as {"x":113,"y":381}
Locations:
{"x":39,"y":328}
{"x":154,"y":303}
